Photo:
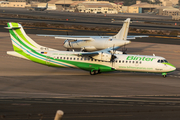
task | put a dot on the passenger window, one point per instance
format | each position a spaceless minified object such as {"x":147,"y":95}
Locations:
{"x":123,"y":61}
{"x":136,"y":61}
{"x":64,"y":58}
{"x":81,"y":58}
{"x":132,"y":61}
{"x":129,"y":61}
{"x":119,"y":61}
{"x":126,"y":61}
{"x":70,"y":58}
{"x":116,"y":61}
{"x":77,"y":58}
{"x":74,"y":58}
{"x":67,"y":58}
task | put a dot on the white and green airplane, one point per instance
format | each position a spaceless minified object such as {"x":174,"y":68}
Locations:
{"x":95,"y":62}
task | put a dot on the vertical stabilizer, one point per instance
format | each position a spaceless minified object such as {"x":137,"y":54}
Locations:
{"x":21,"y":40}
{"x":122,"y":34}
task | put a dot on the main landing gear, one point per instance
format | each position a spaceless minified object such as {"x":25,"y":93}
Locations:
{"x":94,"y":72}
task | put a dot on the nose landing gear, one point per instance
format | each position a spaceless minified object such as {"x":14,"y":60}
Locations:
{"x":164,"y":75}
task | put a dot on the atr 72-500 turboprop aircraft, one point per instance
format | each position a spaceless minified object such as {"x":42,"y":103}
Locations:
{"x":95,"y":62}
{"x":94,"y":43}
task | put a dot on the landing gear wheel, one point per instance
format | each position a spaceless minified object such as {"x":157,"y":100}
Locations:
{"x":93,"y":72}
{"x":164,"y":76}
{"x":96,"y":71}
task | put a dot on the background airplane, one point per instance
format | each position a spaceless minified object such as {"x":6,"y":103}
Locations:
{"x":95,"y":62}
{"x":38,"y":8}
{"x":94,"y":43}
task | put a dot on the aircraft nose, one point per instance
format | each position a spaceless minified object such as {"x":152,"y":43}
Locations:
{"x":172,"y":67}
{"x":65,"y":43}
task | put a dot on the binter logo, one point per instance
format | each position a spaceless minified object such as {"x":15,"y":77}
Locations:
{"x":140,"y":58}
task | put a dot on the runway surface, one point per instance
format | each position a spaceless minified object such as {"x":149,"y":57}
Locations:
{"x":32,"y":91}
{"x":142,"y":21}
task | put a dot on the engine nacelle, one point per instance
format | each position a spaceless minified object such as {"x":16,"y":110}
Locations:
{"x":103,"y":57}
{"x":116,"y":52}
{"x":88,"y":48}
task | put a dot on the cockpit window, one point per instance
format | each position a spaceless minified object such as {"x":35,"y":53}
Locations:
{"x":165,"y":61}
{"x":162,"y":61}
{"x":65,"y":42}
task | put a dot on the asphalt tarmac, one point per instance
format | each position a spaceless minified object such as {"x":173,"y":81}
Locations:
{"x":32,"y":91}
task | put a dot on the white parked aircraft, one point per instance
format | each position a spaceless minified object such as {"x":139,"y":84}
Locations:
{"x":94,"y":43}
{"x":38,"y":8}
{"x":95,"y":62}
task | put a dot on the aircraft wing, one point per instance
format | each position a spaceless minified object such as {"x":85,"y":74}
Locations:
{"x":68,"y":36}
{"x":76,"y":38}
{"x":107,"y":51}
{"x":129,"y":37}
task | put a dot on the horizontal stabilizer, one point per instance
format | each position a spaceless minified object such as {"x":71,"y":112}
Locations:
{"x":13,"y":53}
{"x":12,"y":27}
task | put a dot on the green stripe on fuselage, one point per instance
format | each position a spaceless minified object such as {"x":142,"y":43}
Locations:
{"x":169,"y":64}
{"x":18,"y":31}
{"x":81,"y":65}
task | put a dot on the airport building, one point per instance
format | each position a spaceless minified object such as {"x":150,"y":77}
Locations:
{"x":139,"y":7}
{"x":13,"y":3}
{"x":169,"y":2}
{"x":87,"y":6}
{"x":50,"y":6}
{"x":168,"y":11}
{"x":96,"y":7}
{"x":65,"y":4}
